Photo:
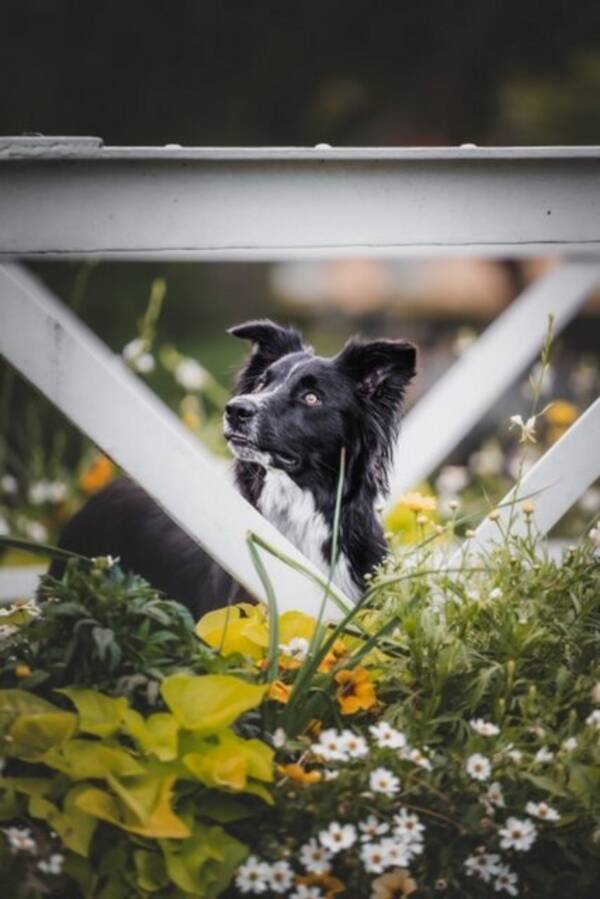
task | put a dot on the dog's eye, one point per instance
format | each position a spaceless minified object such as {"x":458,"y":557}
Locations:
{"x":311,"y":399}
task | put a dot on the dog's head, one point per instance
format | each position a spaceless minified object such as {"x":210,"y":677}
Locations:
{"x":294,"y":410}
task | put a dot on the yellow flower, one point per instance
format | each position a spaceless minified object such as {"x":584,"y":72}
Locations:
{"x":561,"y":413}
{"x":355,"y":691}
{"x":22,"y":670}
{"x":417,"y":502}
{"x":393,"y":885}
{"x":97,"y":475}
{"x":279,"y":691}
{"x":240,"y":628}
{"x":337,"y":652}
{"x":299,"y":775}
{"x":328,"y":884}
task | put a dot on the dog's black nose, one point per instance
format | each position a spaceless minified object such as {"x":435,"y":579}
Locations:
{"x":239,"y":410}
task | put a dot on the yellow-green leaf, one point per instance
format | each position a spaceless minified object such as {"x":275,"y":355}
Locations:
{"x":19,"y":702}
{"x":98,"y":714}
{"x":211,"y":702}
{"x":143,"y":807}
{"x":240,"y":628}
{"x":31,"y":736}
{"x":157,"y":735}
{"x":151,"y":870}
{"x":74,"y":826}
{"x":81,"y":759}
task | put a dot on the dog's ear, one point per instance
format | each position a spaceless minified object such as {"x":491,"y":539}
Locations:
{"x":269,"y":343}
{"x":381,"y":368}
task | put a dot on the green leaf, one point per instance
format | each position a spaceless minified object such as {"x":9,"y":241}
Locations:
{"x":157,"y":735}
{"x":209,"y":703}
{"x":19,"y":702}
{"x":151,"y":870}
{"x":74,"y":826}
{"x":543,"y":782}
{"x":203,"y":865}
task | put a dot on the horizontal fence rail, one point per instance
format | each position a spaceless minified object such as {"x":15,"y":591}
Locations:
{"x":178,"y":203}
{"x":74,"y":369}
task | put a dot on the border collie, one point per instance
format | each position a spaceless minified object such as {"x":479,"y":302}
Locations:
{"x":291,"y":414}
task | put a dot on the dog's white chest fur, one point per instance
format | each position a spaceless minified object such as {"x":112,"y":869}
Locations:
{"x":292,"y":511}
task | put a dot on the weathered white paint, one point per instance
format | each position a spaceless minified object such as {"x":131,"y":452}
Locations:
{"x":67,"y":363}
{"x":558,"y":479}
{"x":446,"y":414}
{"x":233,"y":203}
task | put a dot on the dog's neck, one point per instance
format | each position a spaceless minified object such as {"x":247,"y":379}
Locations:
{"x":304,"y":515}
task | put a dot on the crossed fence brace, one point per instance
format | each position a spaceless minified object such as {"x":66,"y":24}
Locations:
{"x":66,"y":198}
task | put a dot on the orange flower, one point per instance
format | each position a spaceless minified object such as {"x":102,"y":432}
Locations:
{"x":97,"y":475}
{"x":299,"y":775}
{"x":355,"y":691}
{"x":334,"y":656}
{"x":561,"y":413}
{"x":326,"y":882}
{"x":22,"y":670}
{"x":393,"y":885}
{"x":279,"y":691}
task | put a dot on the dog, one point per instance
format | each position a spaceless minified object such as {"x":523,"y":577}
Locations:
{"x":291,"y":413}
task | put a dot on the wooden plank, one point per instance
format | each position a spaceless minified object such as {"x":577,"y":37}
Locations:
{"x":453,"y":406}
{"x":67,"y":363}
{"x":558,"y":479}
{"x":211,"y":203}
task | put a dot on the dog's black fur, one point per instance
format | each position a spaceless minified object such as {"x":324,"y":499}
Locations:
{"x":291,"y":414}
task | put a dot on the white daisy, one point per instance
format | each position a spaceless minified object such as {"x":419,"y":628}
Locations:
{"x":542,"y":756}
{"x":330,"y":746}
{"x":515,"y":755}
{"x":281,"y":877}
{"x":381,"y":780}
{"x":296,"y":649}
{"x":374,"y":857}
{"x":52,"y":865}
{"x":315,"y":858}
{"x":542,"y":810}
{"x":496,"y":593}
{"x":253,"y":876}
{"x":418,"y":758}
{"x":494,"y":795}
{"x":371,"y":828}
{"x":478,"y":767}
{"x":304,"y":892}
{"x":353,"y":745}
{"x":569,"y":745}
{"x":398,"y":853}
{"x":506,"y":880}
{"x":484,"y":728}
{"x":408,"y":824}
{"x":338,"y":836}
{"x":279,"y":738}
{"x":518,"y":834}
{"x":386,"y":736}
{"x":20,"y":839}
{"x":484,"y":864}
{"x":328,"y":776}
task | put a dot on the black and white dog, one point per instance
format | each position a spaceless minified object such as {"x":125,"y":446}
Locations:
{"x":291,"y":414}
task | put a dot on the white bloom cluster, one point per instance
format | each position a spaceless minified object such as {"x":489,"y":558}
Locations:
{"x":542,"y":810}
{"x":340,"y":746}
{"x":397,"y":850}
{"x":382,"y":780}
{"x":20,"y":839}
{"x":53,"y":864}
{"x":593,"y":720}
{"x":136,"y":356}
{"x":44,"y":491}
{"x":386,"y":736}
{"x":543,"y":756}
{"x":29,"y":606}
{"x":255,"y":876}
{"x":488,"y":866}
{"x":190,"y":375}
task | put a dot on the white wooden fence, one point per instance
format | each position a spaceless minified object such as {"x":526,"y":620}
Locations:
{"x":67,"y":198}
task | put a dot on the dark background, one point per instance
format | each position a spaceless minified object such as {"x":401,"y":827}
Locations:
{"x":277,"y":73}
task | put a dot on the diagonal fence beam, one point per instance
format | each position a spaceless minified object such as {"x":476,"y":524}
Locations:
{"x":446,"y":414}
{"x":93,"y":387}
{"x":558,"y":479}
